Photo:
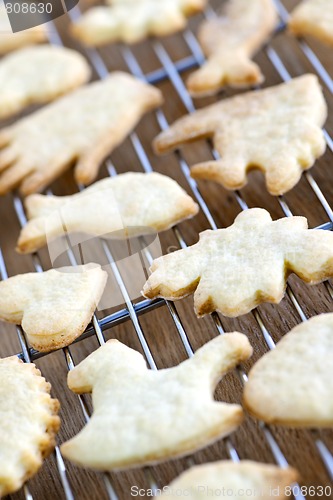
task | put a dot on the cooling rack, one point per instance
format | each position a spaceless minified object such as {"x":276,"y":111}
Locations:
{"x":166,"y":332}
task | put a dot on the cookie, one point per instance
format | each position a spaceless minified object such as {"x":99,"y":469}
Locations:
{"x":292,"y":385}
{"x":229,"y":42}
{"x":143,"y":416}
{"x":277,"y":130}
{"x":239,"y":480}
{"x":36,"y":75}
{"x":29,"y":422}
{"x":12,"y":41}
{"x":313,"y":17}
{"x":83,"y":127}
{"x":235,"y":269}
{"x":153,"y":201}
{"x":53,"y":307}
{"x":131,"y":20}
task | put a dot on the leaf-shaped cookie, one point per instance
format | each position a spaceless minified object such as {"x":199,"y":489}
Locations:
{"x":83,"y":126}
{"x":239,"y":480}
{"x":29,"y":422}
{"x":293,"y":385}
{"x":39,"y":74}
{"x":313,"y":17}
{"x":53,"y":307}
{"x":143,"y":416}
{"x":11,"y":41}
{"x":233,"y":270}
{"x":276,"y":130}
{"x":230,"y":42}
{"x":153,"y":201}
{"x":133,"y":20}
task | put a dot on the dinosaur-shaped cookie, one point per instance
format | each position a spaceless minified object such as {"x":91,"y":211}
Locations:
{"x":143,"y":416}
{"x":53,"y":307}
{"x":83,"y":127}
{"x":229,"y":42}
{"x":233,"y":270}
{"x":239,"y":480}
{"x":292,"y":385}
{"x":28,"y":420}
{"x":133,"y":202}
{"x":36,"y":75}
{"x":277,"y":130}
{"x":133,"y":20}
{"x":313,"y":17}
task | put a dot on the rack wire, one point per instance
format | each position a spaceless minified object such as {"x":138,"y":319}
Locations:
{"x":172,"y":71}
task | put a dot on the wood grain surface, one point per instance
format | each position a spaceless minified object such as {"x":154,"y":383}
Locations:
{"x":298,"y":446}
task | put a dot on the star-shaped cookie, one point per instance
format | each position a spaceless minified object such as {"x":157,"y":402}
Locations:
{"x":153,"y":202}
{"x":233,"y":478}
{"x":229,"y":42}
{"x":292,"y":385}
{"x":28,"y":420}
{"x":313,"y":17}
{"x":36,"y":75}
{"x":233,"y":270}
{"x":83,"y":127}
{"x":53,"y":307}
{"x":144,"y":416}
{"x":133,"y":20}
{"x":277,"y":130}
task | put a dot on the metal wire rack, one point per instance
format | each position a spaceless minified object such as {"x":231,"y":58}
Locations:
{"x":172,"y":71}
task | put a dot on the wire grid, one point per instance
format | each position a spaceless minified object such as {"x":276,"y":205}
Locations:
{"x":172,"y":70}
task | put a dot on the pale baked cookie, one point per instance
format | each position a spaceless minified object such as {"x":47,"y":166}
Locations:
{"x":313,"y":17}
{"x":36,"y":75}
{"x":131,"y":203}
{"x":53,"y":307}
{"x":240,"y":480}
{"x":277,"y":130}
{"x":29,"y":422}
{"x":233,"y":270}
{"x":229,"y":42}
{"x":11,"y":41}
{"x":133,"y":20}
{"x":144,"y":416}
{"x":83,"y":127}
{"x":292,"y":385}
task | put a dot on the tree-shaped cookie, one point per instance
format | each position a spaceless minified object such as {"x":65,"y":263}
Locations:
{"x":229,"y":42}
{"x":153,"y":202}
{"x":133,"y":20}
{"x":143,"y":416}
{"x":38,"y":75}
{"x":276,"y":130}
{"x":293,"y":385}
{"x":313,"y":17}
{"x":237,"y":480}
{"x":83,"y":127}
{"x":233,"y":270}
{"x":29,"y":422}
{"x":53,"y":307}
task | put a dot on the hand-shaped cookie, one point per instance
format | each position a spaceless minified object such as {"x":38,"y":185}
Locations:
{"x":153,"y":201}
{"x":313,"y":17}
{"x":11,"y":41}
{"x":229,"y":42}
{"x":133,"y":20}
{"x":53,"y":307}
{"x":143,"y":416}
{"x":233,"y":270}
{"x":39,"y":74}
{"x":83,"y":126}
{"x":276,"y":130}
{"x":292,"y":385}
{"x":235,"y":477}
{"x":29,"y":422}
